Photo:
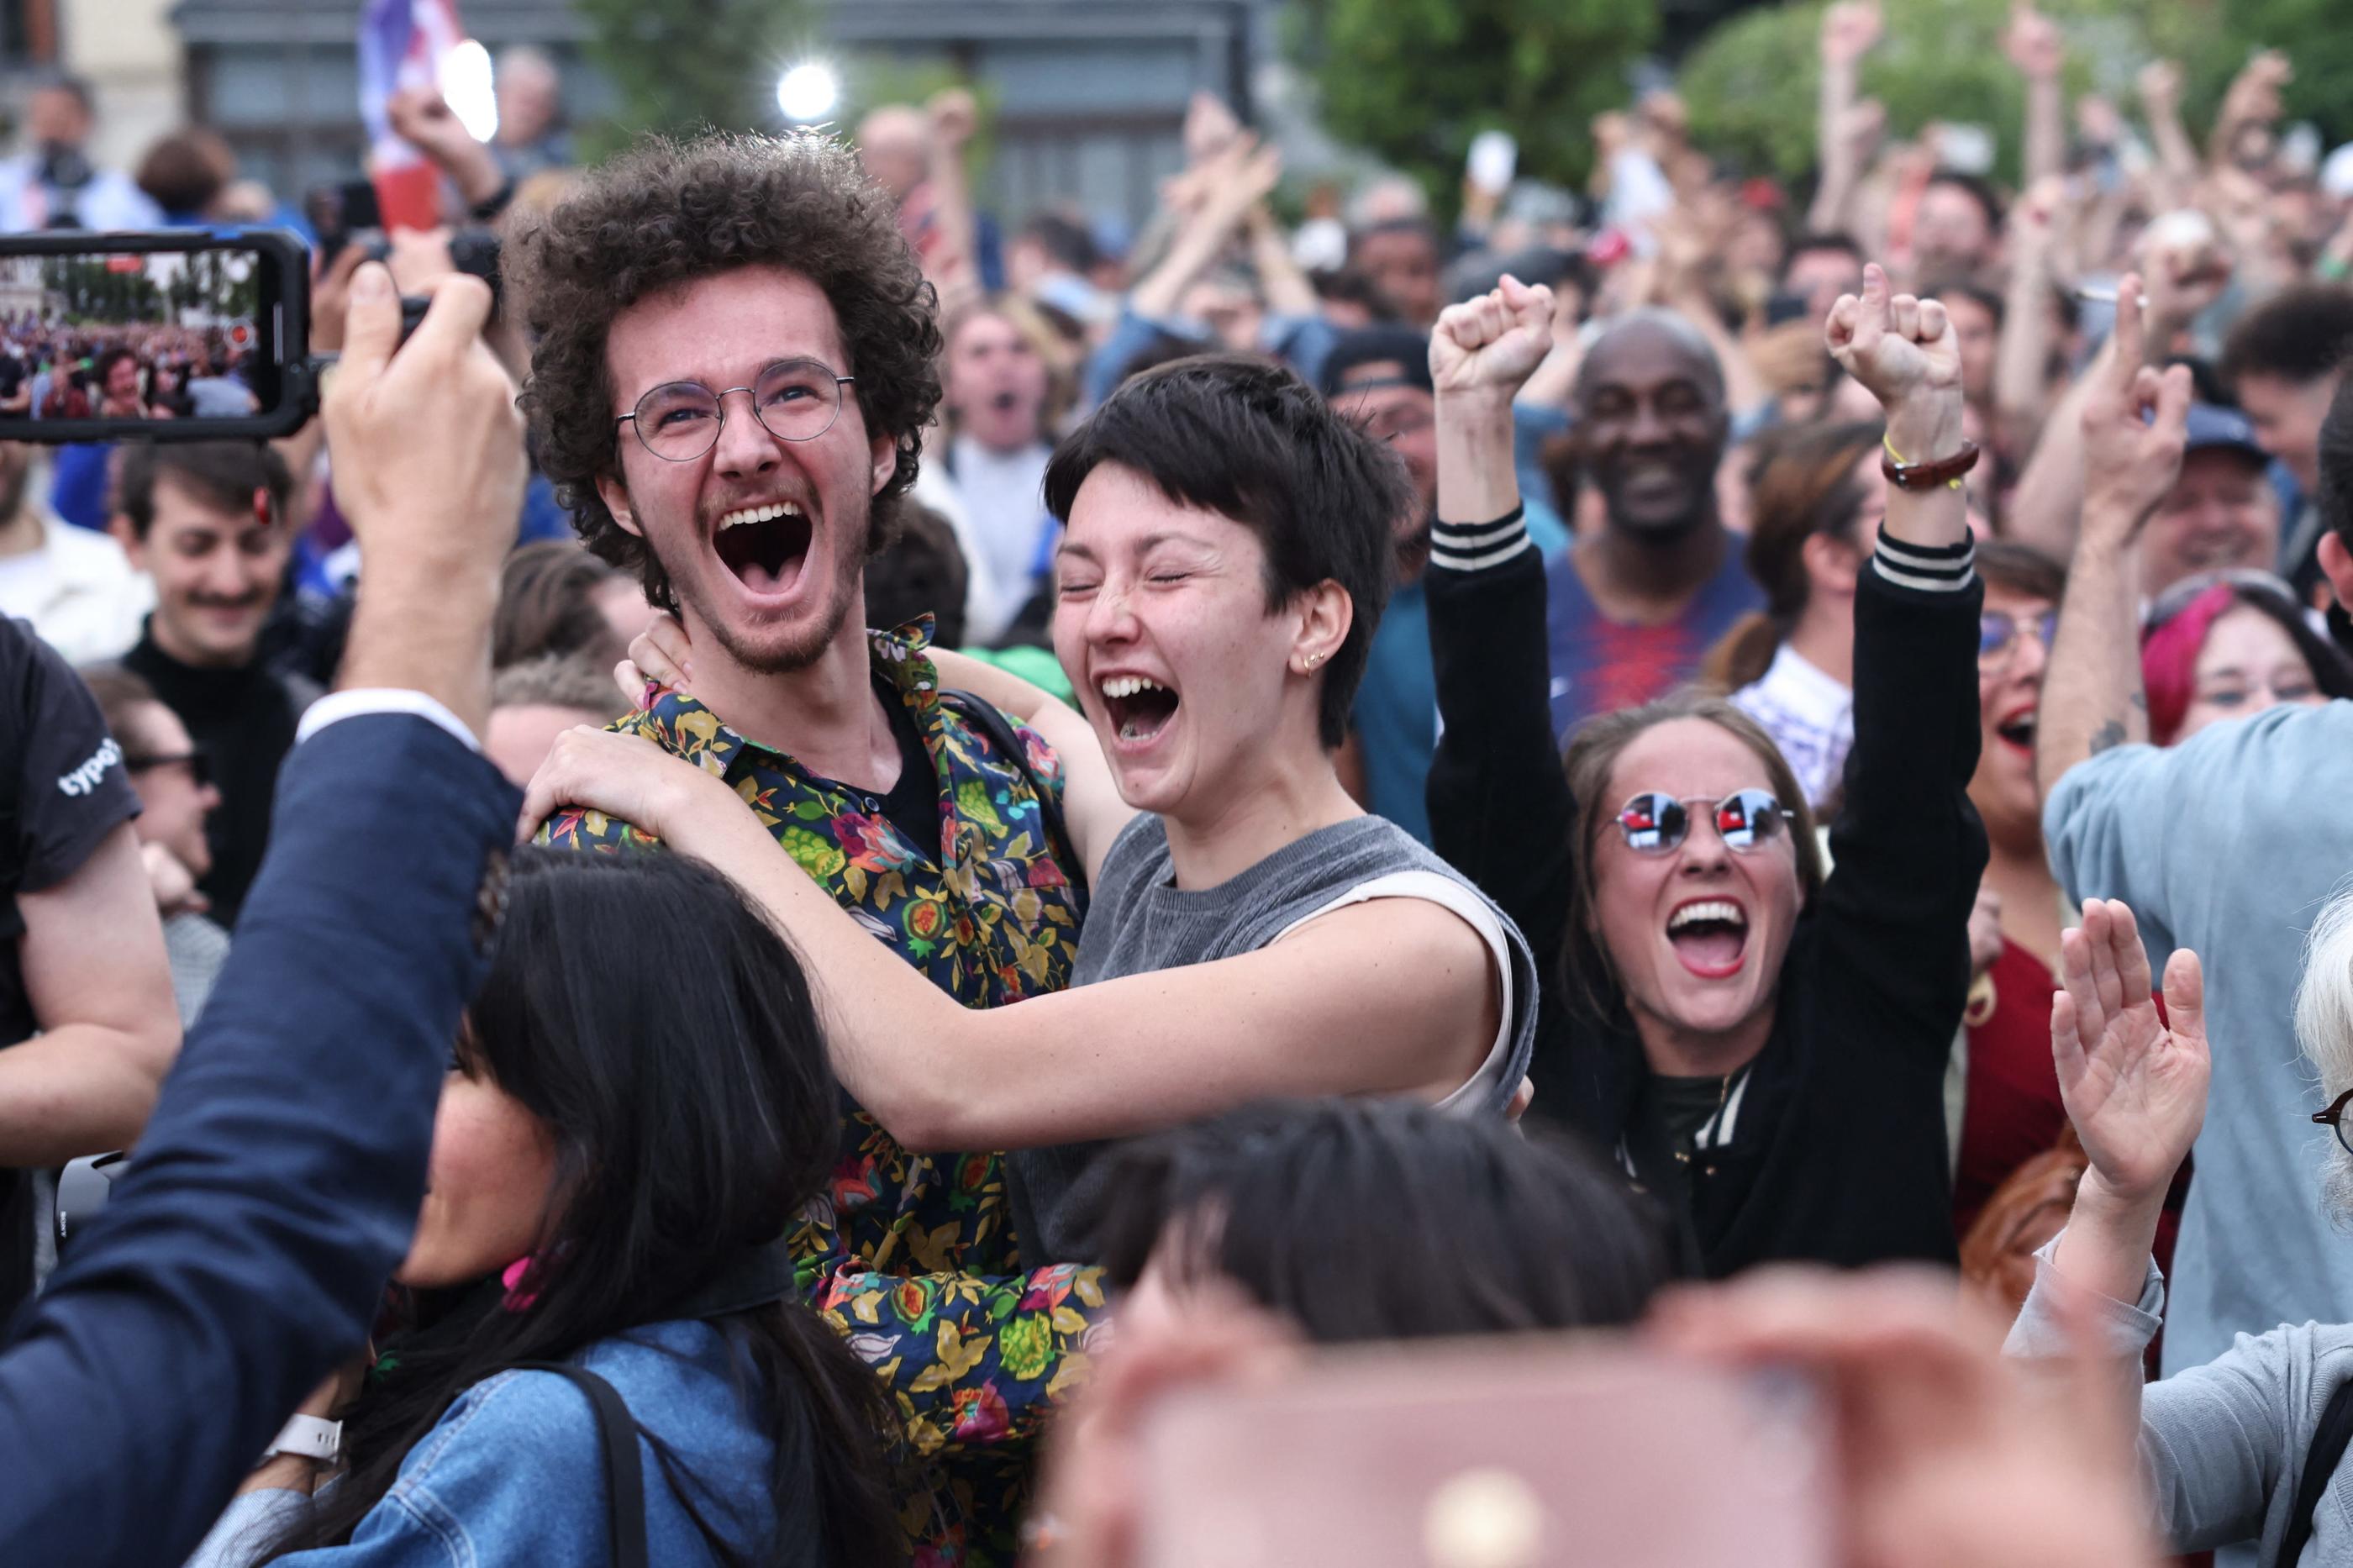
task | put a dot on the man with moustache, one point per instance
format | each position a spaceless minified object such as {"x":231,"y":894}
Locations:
{"x":1635,"y":604}
{"x":207,"y":521}
{"x":734,"y":412}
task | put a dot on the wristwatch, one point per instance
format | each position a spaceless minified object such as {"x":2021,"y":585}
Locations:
{"x":306,"y":1437}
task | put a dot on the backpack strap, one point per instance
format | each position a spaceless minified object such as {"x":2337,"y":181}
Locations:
{"x":987,"y":718}
{"x":625,"y":1481}
{"x":2320,"y":1461}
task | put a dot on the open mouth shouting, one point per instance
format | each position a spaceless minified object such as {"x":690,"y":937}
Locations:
{"x":2018,"y":729}
{"x":766,"y":546}
{"x":1710,"y":935}
{"x":1138,"y":707}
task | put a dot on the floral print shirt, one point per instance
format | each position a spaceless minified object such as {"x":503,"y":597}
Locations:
{"x":913,"y":1256}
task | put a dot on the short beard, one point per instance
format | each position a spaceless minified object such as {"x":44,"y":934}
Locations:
{"x":805,"y":649}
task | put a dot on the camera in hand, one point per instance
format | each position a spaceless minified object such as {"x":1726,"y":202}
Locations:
{"x":186,"y":335}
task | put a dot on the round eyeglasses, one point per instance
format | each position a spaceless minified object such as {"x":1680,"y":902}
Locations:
{"x":1655,"y":822}
{"x":794,"y":400}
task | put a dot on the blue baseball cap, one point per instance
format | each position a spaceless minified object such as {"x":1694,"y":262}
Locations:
{"x":2212,"y":427}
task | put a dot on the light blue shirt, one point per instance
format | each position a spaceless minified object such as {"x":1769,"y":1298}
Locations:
{"x":2230,"y":844}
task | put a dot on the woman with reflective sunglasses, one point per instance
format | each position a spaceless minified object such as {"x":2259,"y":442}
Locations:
{"x":2228,"y":644}
{"x":1763,"y":1045}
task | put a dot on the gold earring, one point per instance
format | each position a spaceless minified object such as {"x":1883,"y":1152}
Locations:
{"x":1314,"y":659}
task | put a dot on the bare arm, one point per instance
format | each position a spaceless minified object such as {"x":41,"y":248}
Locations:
{"x":1239,"y":180}
{"x":2177,"y":155}
{"x":1090,"y":800}
{"x":2050,"y":498}
{"x":956,"y":269}
{"x":1848,"y":29}
{"x":1397,"y":996}
{"x":1288,"y":293}
{"x":92,"y":957}
{"x":2022,"y":357}
{"x":2092,"y":697}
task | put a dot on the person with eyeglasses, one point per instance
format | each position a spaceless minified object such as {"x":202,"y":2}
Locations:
{"x":1251,"y":930}
{"x":2243,"y":1442}
{"x":172,"y":776}
{"x":1762,"y":1045}
{"x":2227,"y":843}
{"x":736,"y":410}
{"x":2230,"y":645}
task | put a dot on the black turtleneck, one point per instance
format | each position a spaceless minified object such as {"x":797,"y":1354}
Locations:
{"x":243,"y":720}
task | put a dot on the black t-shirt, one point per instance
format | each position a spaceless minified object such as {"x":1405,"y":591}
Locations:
{"x":12,"y":375}
{"x":65,"y":791}
{"x":243,"y":720}
{"x":61,"y":793}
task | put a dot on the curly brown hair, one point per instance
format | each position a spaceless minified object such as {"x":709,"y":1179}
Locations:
{"x":671,"y":212}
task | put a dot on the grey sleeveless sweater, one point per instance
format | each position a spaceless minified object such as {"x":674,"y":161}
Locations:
{"x":1138,"y":922}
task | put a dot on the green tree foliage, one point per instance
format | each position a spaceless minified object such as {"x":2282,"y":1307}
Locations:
{"x":1750,"y":85}
{"x":680,"y":66}
{"x":1414,"y":81}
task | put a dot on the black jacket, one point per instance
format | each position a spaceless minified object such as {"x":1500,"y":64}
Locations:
{"x":1838,"y":1154}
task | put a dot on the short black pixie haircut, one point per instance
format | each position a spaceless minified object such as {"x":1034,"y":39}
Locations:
{"x":1250,"y":440}
{"x":1386,"y":1219}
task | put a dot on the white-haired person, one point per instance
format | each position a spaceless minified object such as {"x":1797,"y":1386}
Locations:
{"x":2237,"y":1449}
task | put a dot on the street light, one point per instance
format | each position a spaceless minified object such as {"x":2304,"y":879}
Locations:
{"x":808,"y":92}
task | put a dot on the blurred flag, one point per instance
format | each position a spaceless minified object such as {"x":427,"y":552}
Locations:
{"x":402,"y":44}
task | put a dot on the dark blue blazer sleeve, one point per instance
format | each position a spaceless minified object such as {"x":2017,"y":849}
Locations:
{"x":243,"y":1252}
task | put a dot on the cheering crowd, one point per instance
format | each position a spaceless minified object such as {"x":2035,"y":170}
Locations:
{"x":1463,"y":744}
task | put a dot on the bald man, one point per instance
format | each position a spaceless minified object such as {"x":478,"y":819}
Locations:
{"x":1635,"y":604}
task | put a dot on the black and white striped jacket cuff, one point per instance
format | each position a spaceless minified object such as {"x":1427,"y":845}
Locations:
{"x":1934,"y":568}
{"x":1472,"y":546}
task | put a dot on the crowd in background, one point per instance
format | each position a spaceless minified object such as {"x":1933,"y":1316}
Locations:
{"x":1358,"y":683}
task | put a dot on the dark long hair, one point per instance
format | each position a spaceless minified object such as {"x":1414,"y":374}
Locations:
{"x":1800,"y":483}
{"x":1385,"y":1219}
{"x":665,"y":1037}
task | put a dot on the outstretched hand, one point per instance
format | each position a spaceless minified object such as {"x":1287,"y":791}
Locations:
{"x":2133,"y":1084}
{"x":1492,"y":343}
{"x":623,"y":777}
{"x":1905,"y":352}
{"x":2136,"y":423}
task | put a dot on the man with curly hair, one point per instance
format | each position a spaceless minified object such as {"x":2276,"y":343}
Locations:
{"x":735,"y":361}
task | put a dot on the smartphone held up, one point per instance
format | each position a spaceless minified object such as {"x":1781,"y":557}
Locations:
{"x":1583,"y":1453}
{"x":187,"y":335}
{"x":178,"y":335}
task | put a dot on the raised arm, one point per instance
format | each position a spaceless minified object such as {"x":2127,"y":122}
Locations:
{"x":2135,"y":1087}
{"x":1243,"y":174}
{"x":1850,"y":28}
{"x":1500,"y":808}
{"x":2039,"y":52}
{"x":2159,"y":85}
{"x":2134,"y":424}
{"x":1909,"y":849}
{"x":244,"y":1250}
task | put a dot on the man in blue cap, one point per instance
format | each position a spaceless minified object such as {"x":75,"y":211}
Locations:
{"x":2220,"y":513}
